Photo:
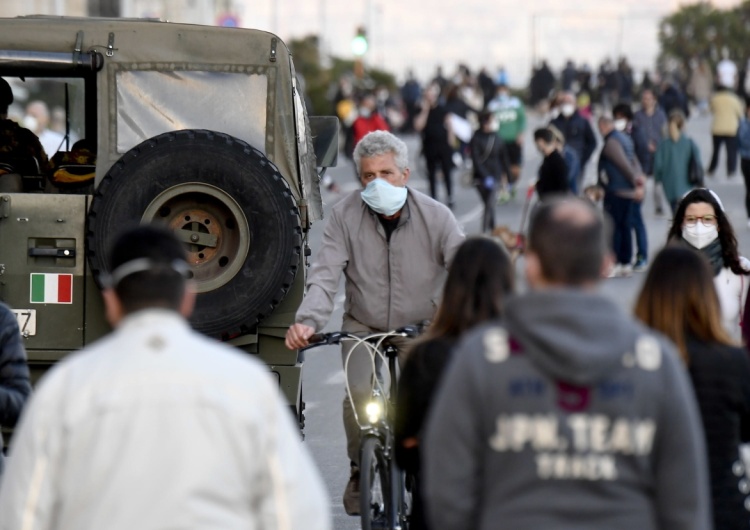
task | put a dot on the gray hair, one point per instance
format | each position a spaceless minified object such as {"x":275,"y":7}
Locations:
{"x":379,"y":143}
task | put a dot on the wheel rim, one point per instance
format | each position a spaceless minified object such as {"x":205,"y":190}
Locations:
{"x":212,"y":226}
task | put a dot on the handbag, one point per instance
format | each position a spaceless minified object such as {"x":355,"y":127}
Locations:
{"x":695,"y":170}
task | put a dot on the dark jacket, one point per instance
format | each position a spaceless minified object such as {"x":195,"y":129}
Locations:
{"x":578,"y":134}
{"x":721,"y":378}
{"x":618,"y":166}
{"x":553,"y":176}
{"x":15,"y":386}
{"x":570,"y":416}
{"x":416,"y":388}
{"x":488,"y":155}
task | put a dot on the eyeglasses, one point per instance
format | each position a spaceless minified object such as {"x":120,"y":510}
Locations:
{"x":706,"y":220}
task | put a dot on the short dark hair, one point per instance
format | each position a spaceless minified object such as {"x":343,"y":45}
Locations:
{"x":485,"y":116}
{"x":544,"y":135}
{"x":624,"y":110}
{"x":571,"y":245}
{"x":162,"y":284}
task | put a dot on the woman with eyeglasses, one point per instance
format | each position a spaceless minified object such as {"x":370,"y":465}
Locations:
{"x":679,"y":300}
{"x":700,"y":222}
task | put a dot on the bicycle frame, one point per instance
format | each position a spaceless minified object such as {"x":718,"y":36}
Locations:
{"x":380,"y":411}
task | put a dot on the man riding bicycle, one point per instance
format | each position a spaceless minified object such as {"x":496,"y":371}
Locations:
{"x":393,"y":244}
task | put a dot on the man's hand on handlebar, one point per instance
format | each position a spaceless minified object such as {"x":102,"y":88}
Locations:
{"x":298,"y":335}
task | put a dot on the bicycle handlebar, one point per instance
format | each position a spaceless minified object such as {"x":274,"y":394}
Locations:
{"x":335,"y":337}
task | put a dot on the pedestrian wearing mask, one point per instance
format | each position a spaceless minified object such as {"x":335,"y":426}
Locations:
{"x":620,"y":176}
{"x":577,"y":131}
{"x":553,"y":173}
{"x":623,"y":123}
{"x":679,"y":300}
{"x":480,"y":278}
{"x":368,"y":119}
{"x":701,"y":223}
{"x":393,"y":245}
{"x":491,"y":168}
{"x":673,"y":159}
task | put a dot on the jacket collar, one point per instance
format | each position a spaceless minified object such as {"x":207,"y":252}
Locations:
{"x":152,"y":318}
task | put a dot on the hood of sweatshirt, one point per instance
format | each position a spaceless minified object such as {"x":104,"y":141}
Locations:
{"x":572,"y":335}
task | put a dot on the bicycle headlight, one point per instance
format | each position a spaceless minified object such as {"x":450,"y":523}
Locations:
{"x":374,"y":411}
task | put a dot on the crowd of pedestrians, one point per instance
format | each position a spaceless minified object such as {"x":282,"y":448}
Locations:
{"x":549,"y":407}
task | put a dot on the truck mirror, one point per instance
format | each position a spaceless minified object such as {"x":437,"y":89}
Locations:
{"x":325,"y":136}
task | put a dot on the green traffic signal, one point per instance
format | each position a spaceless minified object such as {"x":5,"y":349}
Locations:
{"x":359,"y":44}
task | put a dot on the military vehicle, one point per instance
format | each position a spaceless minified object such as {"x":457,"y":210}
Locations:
{"x":199,"y":128}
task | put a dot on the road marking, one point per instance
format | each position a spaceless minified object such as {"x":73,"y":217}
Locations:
{"x":470,"y":216}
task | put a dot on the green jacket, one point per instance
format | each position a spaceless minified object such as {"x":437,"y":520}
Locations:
{"x":671,"y":164}
{"x":511,"y":116}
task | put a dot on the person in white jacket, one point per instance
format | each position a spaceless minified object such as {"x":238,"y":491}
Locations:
{"x":156,"y":426}
{"x":701,"y":223}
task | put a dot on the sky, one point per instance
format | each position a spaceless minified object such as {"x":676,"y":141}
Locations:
{"x":422,"y":34}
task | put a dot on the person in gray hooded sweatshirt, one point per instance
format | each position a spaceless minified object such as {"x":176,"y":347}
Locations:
{"x":568,"y":415}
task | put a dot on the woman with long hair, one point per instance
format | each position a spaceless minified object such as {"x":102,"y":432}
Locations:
{"x":479,"y":279}
{"x":700,"y":222}
{"x":678,"y":299}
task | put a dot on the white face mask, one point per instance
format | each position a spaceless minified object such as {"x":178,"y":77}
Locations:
{"x":384,"y":197}
{"x":554,"y":113}
{"x":700,"y":235}
{"x":364,"y":112}
{"x":621,"y":124}
{"x":567,"y":109}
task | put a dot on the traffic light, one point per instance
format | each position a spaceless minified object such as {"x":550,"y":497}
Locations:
{"x":359,"y":42}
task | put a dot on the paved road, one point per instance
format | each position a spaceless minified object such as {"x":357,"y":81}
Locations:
{"x":323,"y":377}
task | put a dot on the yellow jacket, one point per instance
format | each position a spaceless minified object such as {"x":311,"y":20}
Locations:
{"x":728,"y":110}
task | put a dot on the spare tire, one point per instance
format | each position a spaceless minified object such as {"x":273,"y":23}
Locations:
{"x":229,"y":205}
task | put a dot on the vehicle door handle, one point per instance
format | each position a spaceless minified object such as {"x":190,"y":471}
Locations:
{"x":52,"y":252}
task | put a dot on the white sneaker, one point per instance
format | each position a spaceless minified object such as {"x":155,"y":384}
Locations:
{"x":614,"y":272}
{"x":625,"y":271}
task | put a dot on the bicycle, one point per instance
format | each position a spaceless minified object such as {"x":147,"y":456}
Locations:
{"x":385,"y":492}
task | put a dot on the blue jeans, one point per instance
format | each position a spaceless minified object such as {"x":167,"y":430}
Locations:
{"x":620,"y":210}
{"x":641,"y":239}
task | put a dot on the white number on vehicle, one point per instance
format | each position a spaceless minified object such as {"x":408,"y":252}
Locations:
{"x":26,"y":321}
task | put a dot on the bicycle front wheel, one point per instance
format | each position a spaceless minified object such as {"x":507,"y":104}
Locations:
{"x":374,"y":486}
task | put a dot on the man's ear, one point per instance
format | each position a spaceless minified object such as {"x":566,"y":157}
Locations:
{"x":112,"y":307}
{"x":533,"y":269}
{"x":188,"y":300}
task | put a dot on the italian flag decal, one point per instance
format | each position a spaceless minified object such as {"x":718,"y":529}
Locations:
{"x":51,"y":288}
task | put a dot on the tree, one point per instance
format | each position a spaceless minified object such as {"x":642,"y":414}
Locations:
{"x":318,"y":80}
{"x":702,"y":31}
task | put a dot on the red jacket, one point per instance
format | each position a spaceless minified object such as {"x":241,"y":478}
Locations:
{"x":362,"y":126}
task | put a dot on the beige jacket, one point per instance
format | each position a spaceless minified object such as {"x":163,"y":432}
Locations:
{"x":388,"y":285}
{"x":728,"y":111}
